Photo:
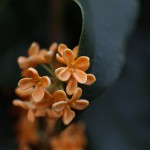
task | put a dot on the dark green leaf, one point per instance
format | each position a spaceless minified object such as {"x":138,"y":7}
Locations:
{"x":106,"y":25}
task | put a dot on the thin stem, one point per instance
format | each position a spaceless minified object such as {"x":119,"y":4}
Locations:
{"x":52,"y":87}
{"x":52,"y":67}
{"x":48,"y":69}
{"x":61,"y":86}
{"x":58,"y":83}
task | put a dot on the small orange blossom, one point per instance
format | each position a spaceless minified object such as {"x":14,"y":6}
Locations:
{"x":32,"y":111}
{"x":34,"y":80}
{"x":74,"y":71}
{"x":66,"y":105}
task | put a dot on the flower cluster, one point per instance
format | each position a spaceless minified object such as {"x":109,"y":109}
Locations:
{"x":58,"y":93}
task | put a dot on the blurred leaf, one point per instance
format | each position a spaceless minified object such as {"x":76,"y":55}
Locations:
{"x":106,"y":25}
{"x":3,"y":3}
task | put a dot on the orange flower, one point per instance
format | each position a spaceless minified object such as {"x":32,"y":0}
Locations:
{"x":32,"y":111}
{"x":49,"y":55}
{"x":41,"y":108}
{"x":34,"y":80}
{"x":49,"y":100}
{"x":57,"y":96}
{"x":36,"y":56}
{"x":24,"y":94}
{"x":74,"y":72}
{"x":74,"y":67}
{"x":61,"y":49}
{"x":66,"y":105}
{"x":26,"y":62}
{"x":44,"y":56}
{"x":90,"y":79}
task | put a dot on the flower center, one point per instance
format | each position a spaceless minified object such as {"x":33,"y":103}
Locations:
{"x":39,"y":82}
{"x":72,"y":66}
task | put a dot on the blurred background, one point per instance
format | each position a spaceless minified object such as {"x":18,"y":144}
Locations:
{"x":117,"y":120}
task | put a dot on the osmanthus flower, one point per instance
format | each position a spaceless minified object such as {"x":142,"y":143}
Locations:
{"x":65,"y":106}
{"x":43,"y":107}
{"x":49,"y":100}
{"x":61,"y":49}
{"x":26,"y":62}
{"x":44,"y":55}
{"x":74,"y":72}
{"x":32,"y":111}
{"x":36,"y":56}
{"x":24,"y":94}
{"x":34,"y":80}
{"x":50,"y":53}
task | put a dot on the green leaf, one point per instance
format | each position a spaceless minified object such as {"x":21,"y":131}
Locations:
{"x":105,"y":27}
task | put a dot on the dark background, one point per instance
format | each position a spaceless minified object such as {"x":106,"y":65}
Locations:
{"x":117,"y":120}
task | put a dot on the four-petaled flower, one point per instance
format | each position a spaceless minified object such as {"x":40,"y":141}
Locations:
{"x":32,"y":111}
{"x":61,"y":49}
{"x":36,"y":56}
{"x":74,"y":72}
{"x":34,"y":80}
{"x":66,"y":105}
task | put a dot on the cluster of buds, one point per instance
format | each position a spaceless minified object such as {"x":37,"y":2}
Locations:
{"x":57,"y":94}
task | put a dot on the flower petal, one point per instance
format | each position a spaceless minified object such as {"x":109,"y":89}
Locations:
{"x":47,"y":96}
{"x":26,"y":83}
{"x":61,"y":48}
{"x":82,"y":63}
{"x":71,"y":86}
{"x":23,"y":62}
{"x":68,"y":57}
{"x":38,"y":93}
{"x":90,"y":79}
{"x":53,"y":114}
{"x":30,"y":115}
{"x":42,"y":104}
{"x":23,"y":93}
{"x":43,"y":52}
{"x":76,"y":95}
{"x":48,"y":56}
{"x":60,"y":59}
{"x":36,"y":59}
{"x":34,"y":49}
{"x":75,"y":51}
{"x":53,"y":47}
{"x":20,"y":103}
{"x":24,"y":73}
{"x":68,"y":116}
{"x":59,"y":106}
{"x":59,"y":95}
{"x":57,"y":114}
{"x":58,"y":70}
{"x":33,"y":73}
{"x":80,"y":76}
{"x":45,"y":81}
{"x":80,"y":104}
{"x":64,"y":74}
